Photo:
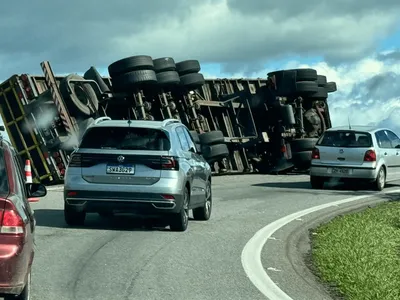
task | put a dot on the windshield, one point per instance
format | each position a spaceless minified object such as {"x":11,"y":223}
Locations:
{"x":343,"y":139}
{"x":4,"y":189}
{"x":129,"y":138}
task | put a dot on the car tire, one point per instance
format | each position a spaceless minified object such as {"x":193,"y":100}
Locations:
{"x":25,"y":294}
{"x":380,"y":181}
{"x":317,"y":183}
{"x":180,"y":221}
{"x":73,"y":217}
{"x":203,"y":213}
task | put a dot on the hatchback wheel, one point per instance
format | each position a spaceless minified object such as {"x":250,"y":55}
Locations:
{"x":25,"y":294}
{"x":380,"y":181}
{"x":73,"y":217}
{"x":180,"y":221}
{"x":204,"y":213}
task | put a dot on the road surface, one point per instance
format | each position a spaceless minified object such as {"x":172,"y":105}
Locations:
{"x":119,"y":260}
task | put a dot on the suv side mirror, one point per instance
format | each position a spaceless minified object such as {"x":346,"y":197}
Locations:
{"x":36,"y":190}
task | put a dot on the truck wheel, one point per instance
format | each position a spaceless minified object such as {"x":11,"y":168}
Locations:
{"x":306,"y":87}
{"x":212,"y":138}
{"x":164,"y":64}
{"x":129,"y":64}
{"x":301,"y":74}
{"x":72,"y":217}
{"x":321,"y":80}
{"x":331,"y":87}
{"x":188,"y":67}
{"x":192,"y":80}
{"x":93,"y":74}
{"x":168,"y":78}
{"x":195,"y":136}
{"x":303,"y":144}
{"x":215,"y":152}
{"x":302,"y":160}
{"x":132,"y":80}
{"x":320,"y":94}
{"x":81,"y":100}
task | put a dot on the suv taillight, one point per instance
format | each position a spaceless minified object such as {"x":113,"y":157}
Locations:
{"x":10,"y":220}
{"x":315,"y":154}
{"x":75,"y":161}
{"x":169,"y":163}
{"x":370,"y":156}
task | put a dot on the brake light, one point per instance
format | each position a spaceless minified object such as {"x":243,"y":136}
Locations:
{"x":10,"y":220}
{"x":315,"y":154}
{"x":370,"y":155}
{"x":76,"y":160}
{"x":169,"y":163}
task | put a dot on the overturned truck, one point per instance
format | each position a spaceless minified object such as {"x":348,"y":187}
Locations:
{"x":240,"y":125}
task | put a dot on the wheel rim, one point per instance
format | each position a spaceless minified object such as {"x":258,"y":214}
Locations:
{"x":185,"y":209}
{"x":208,"y":199}
{"x":382,"y":177}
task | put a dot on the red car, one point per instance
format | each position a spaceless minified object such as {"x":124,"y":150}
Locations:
{"x":17,"y":225}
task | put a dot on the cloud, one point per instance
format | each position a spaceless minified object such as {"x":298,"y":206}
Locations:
{"x":240,"y":35}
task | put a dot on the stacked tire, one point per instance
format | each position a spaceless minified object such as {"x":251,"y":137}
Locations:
{"x":213,"y":146}
{"x":189,"y":74}
{"x":132,"y":73}
{"x":301,"y":152}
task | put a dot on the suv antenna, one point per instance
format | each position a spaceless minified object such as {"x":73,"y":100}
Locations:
{"x":348,"y":120}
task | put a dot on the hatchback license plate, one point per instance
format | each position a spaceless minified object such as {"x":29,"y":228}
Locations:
{"x":120,"y":169}
{"x":340,"y":171}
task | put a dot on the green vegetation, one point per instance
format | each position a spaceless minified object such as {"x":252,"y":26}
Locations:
{"x":359,"y":254}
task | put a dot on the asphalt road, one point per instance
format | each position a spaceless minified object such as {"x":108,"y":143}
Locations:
{"x":117,"y":259}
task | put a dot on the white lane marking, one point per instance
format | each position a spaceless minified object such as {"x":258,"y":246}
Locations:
{"x":251,"y":254}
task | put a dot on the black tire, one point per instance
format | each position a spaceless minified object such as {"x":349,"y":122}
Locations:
{"x":203,"y":213}
{"x":380,"y":181}
{"x":317,"y":183}
{"x":128,"y":64}
{"x":93,"y":74}
{"x":321,"y":80}
{"x":215,"y":152}
{"x":212,"y":138}
{"x":81,"y":100}
{"x":133,"y":80}
{"x":188,"y":66}
{"x":303,"y":144}
{"x":331,"y":87}
{"x":198,"y":148}
{"x":193,"y":80}
{"x":168,"y":78}
{"x":25,"y":294}
{"x":164,"y":64}
{"x":195,"y":136}
{"x":302,"y":160}
{"x":180,"y":221}
{"x":321,"y":94}
{"x":306,"y":87}
{"x":73,"y":217}
{"x":301,"y":74}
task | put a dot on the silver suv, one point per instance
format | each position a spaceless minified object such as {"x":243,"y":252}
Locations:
{"x":147,"y":168}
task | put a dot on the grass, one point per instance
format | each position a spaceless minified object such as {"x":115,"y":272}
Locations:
{"x":359,"y":254}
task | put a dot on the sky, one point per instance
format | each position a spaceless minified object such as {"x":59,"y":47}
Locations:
{"x":356,"y":44}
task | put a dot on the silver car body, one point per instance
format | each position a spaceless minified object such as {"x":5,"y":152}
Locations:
{"x":348,"y":162}
{"x":145,"y":187}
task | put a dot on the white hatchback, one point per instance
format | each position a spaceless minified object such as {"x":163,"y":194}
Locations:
{"x":358,"y":152}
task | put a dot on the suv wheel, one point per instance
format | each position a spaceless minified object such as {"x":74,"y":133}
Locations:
{"x":204,"y":213}
{"x":179,"y":221}
{"x":25,"y":294}
{"x":73,"y":217}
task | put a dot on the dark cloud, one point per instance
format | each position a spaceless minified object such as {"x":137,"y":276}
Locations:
{"x":241,"y":35}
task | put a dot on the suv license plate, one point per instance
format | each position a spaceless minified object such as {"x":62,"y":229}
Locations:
{"x":120,"y":169}
{"x":340,"y":171}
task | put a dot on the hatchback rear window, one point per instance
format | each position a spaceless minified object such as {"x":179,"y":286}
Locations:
{"x":4,"y":189}
{"x":126,"y":138}
{"x":343,"y":139}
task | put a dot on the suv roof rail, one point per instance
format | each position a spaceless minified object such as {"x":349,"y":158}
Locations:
{"x":101,"y":119}
{"x":170,"y":121}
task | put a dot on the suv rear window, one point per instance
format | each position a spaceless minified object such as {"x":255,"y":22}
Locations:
{"x":127,"y":138}
{"x":4,"y":189}
{"x":343,"y":139}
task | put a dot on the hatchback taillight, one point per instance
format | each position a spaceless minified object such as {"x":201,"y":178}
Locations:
{"x":370,"y":155}
{"x":315,"y":154}
{"x":75,"y":161}
{"x":10,"y":221}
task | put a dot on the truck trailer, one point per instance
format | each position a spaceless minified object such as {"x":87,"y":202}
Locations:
{"x":267,"y":125}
